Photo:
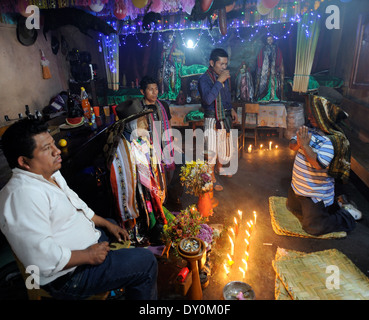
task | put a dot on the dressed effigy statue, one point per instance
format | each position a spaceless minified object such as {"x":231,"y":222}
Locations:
{"x":269,"y":73}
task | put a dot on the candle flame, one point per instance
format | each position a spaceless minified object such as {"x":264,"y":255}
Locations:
{"x":230,"y":261}
{"x":248,"y":234}
{"x":276,"y":146}
{"x":230,"y":239}
{"x":232,"y":231}
{"x":232,"y":244}
{"x":226,"y":269}
{"x":243,"y":272}
{"x":247,"y":241}
{"x":235,"y":220}
{"x":248,"y":224}
{"x":247,"y":257}
{"x":240,"y":214}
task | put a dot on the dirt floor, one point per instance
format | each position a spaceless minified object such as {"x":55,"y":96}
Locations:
{"x":262,"y":174}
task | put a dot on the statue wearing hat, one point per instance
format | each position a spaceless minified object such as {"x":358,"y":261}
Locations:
{"x":136,"y":174}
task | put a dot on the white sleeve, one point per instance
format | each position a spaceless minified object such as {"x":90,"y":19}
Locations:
{"x":28,"y":230}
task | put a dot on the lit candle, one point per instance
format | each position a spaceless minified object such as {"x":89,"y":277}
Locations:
{"x":232,"y":231}
{"x":261,"y":147}
{"x":226,"y":269}
{"x":230,"y":261}
{"x":254,"y":216}
{"x":244,"y":261}
{"x":252,"y":225}
{"x":247,"y":244}
{"x":236,"y":225}
{"x":248,"y":234}
{"x":276,"y":146}
{"x":247,"y":256}
{"x":249,"y":149}
{"x":240,"y":214}
{"x":232,"y":245}
{"x":270,"y":145}
{"x":243,"y":272}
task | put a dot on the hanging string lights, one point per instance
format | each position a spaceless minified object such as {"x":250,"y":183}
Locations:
{"x":278,"y":23}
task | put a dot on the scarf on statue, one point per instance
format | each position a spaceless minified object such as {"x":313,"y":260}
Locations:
{"x":220,"y":114}
{"x":326,"y":114}
{"x":151,"y":178}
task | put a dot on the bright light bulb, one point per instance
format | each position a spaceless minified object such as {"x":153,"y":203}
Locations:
{"x":190,"y":44}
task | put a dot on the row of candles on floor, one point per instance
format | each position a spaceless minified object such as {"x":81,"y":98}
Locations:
{"x":261,"y":147}
{"x":234,"y":233}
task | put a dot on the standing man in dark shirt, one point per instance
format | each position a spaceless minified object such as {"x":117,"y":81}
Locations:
{"x":214,"y":88}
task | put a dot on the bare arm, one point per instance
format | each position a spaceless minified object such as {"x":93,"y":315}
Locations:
{"x":303,"y":139}
{"x":114,"y":229}
{"x":93,"y":255}
{"x":293,"y":145}
{"x":96,"y":253}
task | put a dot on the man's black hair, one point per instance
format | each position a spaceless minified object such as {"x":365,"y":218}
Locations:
{"x":18,"y":139}
{"x":218,"y":53}
{"x":146,"y":80}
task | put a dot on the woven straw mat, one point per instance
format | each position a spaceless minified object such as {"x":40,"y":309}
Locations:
{"x":303,"y":276}
{"x":285,"y":223}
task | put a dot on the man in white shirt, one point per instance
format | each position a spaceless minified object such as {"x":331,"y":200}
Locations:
{"x":49,"y":226}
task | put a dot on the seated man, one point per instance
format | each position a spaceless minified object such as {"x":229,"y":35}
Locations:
{"x":311,"y":195}
{"x":47,"y":225}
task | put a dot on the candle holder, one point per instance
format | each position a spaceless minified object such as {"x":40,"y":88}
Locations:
{"x":231,"y":291}
{"x":193,"y":260}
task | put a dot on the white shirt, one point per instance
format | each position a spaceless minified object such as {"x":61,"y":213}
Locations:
{"x":44,"y":223}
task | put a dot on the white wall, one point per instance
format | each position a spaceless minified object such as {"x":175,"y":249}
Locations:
{"x":21,"y":79}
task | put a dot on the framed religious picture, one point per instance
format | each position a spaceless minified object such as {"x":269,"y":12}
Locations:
{"x":360,"y":74}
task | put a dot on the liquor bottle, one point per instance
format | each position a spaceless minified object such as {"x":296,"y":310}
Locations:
{"x":70,"y":102}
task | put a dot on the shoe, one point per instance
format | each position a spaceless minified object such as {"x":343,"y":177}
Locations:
{"x":356,"y":213}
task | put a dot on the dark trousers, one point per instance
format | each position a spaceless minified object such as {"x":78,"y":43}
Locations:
{"x":134,"y":269}
{"x":315,"y":218}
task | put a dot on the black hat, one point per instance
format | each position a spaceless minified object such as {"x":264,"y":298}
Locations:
{"x":130,"y":110}
{"x":25,"y":36}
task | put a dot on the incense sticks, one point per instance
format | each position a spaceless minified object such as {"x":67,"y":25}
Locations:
{"x":307,"y":39}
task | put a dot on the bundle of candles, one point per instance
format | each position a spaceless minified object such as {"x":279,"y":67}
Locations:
{"x":244,"y":229}
{"x":262,"y":147}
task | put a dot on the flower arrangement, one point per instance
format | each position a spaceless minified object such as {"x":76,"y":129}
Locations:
{"x":187,"y":223}
{"x":196,"y":177}
{"x":206,"y":235}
